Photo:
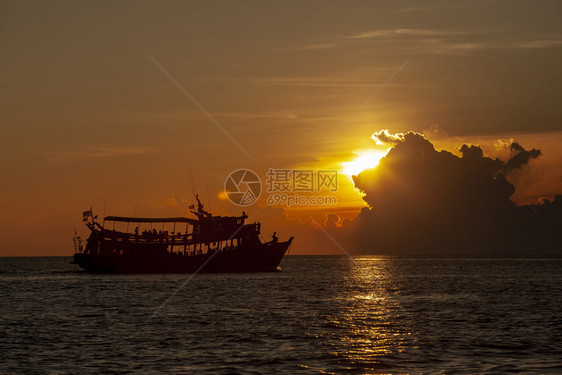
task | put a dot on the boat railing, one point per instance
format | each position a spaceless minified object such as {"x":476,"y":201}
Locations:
{"x":147,"y":237}
{"x":170,"y":238}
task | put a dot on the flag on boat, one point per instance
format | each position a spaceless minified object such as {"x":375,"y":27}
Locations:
{"x":87,"y":214}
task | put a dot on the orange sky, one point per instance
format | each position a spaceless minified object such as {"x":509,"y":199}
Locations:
{"x":88,"y":117}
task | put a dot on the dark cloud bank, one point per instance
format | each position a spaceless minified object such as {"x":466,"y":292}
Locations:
{"x":422,"y":201}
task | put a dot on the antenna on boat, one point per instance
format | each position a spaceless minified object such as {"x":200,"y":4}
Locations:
{"x":200,"y":211}
{"x":208,"y":195}
{"x":190,"y":178}
{"x":104,"y":205}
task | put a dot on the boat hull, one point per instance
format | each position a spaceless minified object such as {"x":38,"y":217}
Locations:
{"x":263,"y":258}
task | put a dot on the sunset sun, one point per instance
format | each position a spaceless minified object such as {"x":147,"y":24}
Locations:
{"x":364,"y":160}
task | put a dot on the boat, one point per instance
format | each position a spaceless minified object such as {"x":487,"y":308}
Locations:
{"x":221,"y":244}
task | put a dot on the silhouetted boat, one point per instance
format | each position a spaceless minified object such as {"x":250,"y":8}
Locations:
{"x":208,"y":244}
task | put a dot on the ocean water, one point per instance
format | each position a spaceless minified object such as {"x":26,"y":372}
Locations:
{"x":319,"y":315}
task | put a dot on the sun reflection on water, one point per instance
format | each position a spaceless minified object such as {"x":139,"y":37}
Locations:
{"x":368,"y":325}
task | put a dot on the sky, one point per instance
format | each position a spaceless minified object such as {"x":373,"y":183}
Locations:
{"x":104,"y":104}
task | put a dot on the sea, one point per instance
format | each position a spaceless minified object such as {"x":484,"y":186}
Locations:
{"x":318,"y":315}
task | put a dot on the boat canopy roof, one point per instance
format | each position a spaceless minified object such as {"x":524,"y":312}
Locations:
{"x":151,"y":219}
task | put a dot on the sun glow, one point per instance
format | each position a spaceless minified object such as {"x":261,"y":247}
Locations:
{"x":364,"y":160}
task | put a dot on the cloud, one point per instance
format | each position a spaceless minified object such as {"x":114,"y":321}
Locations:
{"x":520,"y":157}
{"x":260,"y":115}
{"x":317,"y":46}
{"x":425,"y":7}
{"x":98,"y":152}
{"x":424,"y":201}
{"x":319,"y":82}
{"x":503,"y":144}
{"x":435,"y":131}
{"x":449,"y":41}
{"x":400,"y":32}
{"x":383,"y":137}
{"x":541,"y":43}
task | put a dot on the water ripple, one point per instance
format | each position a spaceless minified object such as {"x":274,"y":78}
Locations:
{"x":320,"y":315}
